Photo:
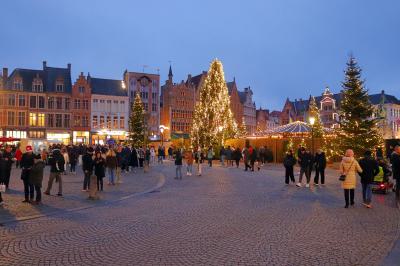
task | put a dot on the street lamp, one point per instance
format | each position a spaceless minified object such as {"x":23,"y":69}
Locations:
{"x":162,"y":128}
{"x":312,"y":122}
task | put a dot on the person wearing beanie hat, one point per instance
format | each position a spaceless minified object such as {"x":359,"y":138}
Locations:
{"x":27,"y":162}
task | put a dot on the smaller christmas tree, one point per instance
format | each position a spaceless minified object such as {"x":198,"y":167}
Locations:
{"x":242,"y":130}
{"x":313,"y":112}
{"x":137,"y":122}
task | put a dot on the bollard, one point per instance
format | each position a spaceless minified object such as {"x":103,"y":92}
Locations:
{"x":93,"y":188}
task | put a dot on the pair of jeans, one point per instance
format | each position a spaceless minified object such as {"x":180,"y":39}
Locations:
{"x":307,"y":173}
{"x":179,"y":171}
{"x":160,"y":159}
{"x":289,"y":174}
{"x":189,"y":168}
{"x":318,"y":172}
{"x":72,"y":167}
{"x":118,"y":174}
{"x":29,"y":189}
{"x":111,"y":177}
{"x":349,"y":196}
{"x":55,"y":176}
{"x":86,"y":180}
{"x":367,"y":193}
{"x":210,"y":162}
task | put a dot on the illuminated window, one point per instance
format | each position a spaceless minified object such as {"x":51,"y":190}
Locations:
{"x":109,"y":122}
{"x":33,"y":119}
{"x":115,"y":122}
{"x":40,"y":120}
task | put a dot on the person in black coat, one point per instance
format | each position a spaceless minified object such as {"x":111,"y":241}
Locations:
{"x":2,"y":170}
{"x":26,"y":164}
{"x":237,"y":155}
{"x":320,"y":165}
{"x":57,"y":164}
{"x":305,"y":161}
{"x":395,"y":160}
{"x":36,"y":177}
{"x":87,"y":167}
{"x":8,"y":158}
{"x":370,"y":169}
{"x":73,"y":158}
{"x":289,"y":161}
{"x":134,"y":158}
{"x":99,"y":170}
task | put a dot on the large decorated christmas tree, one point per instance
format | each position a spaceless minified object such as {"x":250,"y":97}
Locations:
{"x":242,"y":129}
{"x":137,"y":122}
{"x":358,"y":131}
{"x":213,"y":120}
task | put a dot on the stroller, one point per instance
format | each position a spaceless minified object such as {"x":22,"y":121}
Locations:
{"x":382,"y":183}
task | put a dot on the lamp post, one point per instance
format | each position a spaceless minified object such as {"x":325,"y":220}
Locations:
{"x":162,"y":128}
{"x":312,"y":122}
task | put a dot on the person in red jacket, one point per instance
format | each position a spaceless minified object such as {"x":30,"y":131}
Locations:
{"x":18,"y":157}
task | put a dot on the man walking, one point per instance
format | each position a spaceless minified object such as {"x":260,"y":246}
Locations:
{"x":370,"y":169}
{"x":57,"y":163}
{"x":395,"y":159}
{"x":178,"y":164}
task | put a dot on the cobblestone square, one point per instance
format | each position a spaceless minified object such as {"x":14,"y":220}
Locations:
{"x":225,"y":217}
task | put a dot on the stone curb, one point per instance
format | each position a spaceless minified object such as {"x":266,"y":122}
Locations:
{"x":160,"y":184}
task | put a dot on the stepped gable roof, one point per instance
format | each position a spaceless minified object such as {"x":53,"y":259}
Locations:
{"x":107,"y":87}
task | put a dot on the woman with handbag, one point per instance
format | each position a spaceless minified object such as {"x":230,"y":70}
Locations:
{"x":348,"y":169}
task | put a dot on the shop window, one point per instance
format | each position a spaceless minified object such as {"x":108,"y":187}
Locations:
{"x":16,"y":134}
{"x":32,"y":101}
{"x":41,"y":102}
{"x":33,"y":119}
{"x":66,"y":120}
{"x":21,"y":118}
{"x":58,"y":120}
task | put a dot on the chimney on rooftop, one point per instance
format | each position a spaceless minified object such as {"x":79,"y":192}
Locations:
{"x":44,"y":64}
{"x":5,"y":73}
{"x":69,"y":66}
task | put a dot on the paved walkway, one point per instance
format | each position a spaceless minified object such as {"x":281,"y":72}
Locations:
{"x":73,"y":197}
{"x":225,"y":217}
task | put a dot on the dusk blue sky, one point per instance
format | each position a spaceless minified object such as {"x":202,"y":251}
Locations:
{"x":280,"y":48}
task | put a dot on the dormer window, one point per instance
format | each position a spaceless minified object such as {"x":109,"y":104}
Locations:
{"x":18,"y":84}
{"x":59,"y":87}
{"x":37,"y":84}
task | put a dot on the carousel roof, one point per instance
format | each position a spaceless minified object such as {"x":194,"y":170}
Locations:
{"x":294,"y":127}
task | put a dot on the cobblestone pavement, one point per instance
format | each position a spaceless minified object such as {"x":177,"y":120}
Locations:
{"x":73,"y":197}
{"x":225,"y":217}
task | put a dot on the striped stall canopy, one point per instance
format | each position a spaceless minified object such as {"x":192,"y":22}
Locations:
{"x":293,"y":128}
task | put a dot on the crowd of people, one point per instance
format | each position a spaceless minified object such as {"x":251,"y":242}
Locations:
{"x":112,"y":161}
{"x":96,"y":160}
{"x":369,"y":168}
